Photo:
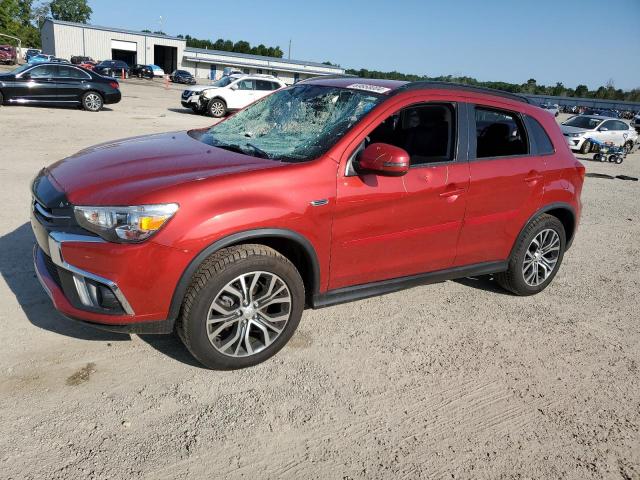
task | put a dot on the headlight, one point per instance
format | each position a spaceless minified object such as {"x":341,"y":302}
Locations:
{"x":576,"y":134}
{"x":125,"y":224}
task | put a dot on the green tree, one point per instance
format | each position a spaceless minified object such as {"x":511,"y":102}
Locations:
{"x":71,"y":10}
{"x":581,"y":91}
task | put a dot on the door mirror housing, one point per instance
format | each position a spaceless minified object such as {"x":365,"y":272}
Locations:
{"x":234,"y":86}
{"x":603,"y":129}
{"x":384,"y":159}
{"x":26,"y":76}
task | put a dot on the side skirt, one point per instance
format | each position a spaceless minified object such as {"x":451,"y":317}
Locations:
{"x":358,"y":292}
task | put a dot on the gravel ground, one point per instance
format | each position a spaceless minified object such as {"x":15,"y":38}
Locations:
{"x":454,"y":380}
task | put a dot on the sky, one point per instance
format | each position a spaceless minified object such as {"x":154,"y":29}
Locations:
{"x":570,"y":41}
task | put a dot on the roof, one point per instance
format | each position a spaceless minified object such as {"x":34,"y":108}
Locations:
{"x":396,"y":86}
{"x":110,"y":29}
{"x":263,"y":58}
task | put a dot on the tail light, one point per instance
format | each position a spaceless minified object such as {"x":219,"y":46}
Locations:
{"x":115,"y":85}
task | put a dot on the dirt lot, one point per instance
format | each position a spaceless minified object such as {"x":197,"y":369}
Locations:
{"x":455,"y":380}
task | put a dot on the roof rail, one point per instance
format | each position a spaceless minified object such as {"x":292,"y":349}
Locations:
{"x":327,"y":77}
{"x":423,"y":84}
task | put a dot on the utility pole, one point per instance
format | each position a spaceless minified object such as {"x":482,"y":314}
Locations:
{"x":289,"y":49}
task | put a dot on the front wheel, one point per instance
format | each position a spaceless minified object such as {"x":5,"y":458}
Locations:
{"x":217,"y":108}
{"x":586,"y":147}
{"x":243,"y":305}
{"x":92,"y":102}
{"x":536,"y":257}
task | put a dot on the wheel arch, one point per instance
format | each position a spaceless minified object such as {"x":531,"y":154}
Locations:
{"x":294,"y":246}
{"x":563,"y":212}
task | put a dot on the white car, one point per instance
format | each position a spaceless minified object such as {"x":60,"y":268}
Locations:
{"x":230,"y":93}
{"x":581,"y":128}
{"x":552,"y":109}
{"x":157,"y":71}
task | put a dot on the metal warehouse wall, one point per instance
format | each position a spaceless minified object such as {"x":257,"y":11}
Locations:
{"x":46,"y":37}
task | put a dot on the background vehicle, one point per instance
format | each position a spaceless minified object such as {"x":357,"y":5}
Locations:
{"x":59,"y":60}
{"x":141,"y":71}
{"x":182,"y":76}
{"x":234,"y":92}
{"x":8,"y":54}
{"x":112,"y":68}
{"x":78,"y":60}
{"x":157,"y":71}
{"x":312,"y":196}
{"x":41,"y":58}
{"x":58,"y":84}
{"x":31,"y":52}
{"x":635,"y":123}
{"x":581,"y":128}
{"x":89,"y":65}
{"x":552,"y":109}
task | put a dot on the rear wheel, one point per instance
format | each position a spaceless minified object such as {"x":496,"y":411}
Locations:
{"x":242,"y":307}
{"x":586,"y":147}
{"x":217,"y":108}
{"x":628,"y":147}
{"x":536,"y":258}
{"x":92,"y":101}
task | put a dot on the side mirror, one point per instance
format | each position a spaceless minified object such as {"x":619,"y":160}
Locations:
{"x":603,"y":129}
{"x":26,"y":76}
{"x":384,"y":159}
{"x":234,"y":86}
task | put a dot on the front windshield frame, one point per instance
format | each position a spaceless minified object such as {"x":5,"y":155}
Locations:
{"x":21,"y":68}
{"x":581,"y":118}
{"x":297,"y":124}
{"x":223,"y":82}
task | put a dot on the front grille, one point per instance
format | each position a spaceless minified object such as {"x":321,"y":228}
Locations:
{"x":186,"y":94}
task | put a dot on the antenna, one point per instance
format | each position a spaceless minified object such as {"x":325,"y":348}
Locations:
{"x":289,"y":56}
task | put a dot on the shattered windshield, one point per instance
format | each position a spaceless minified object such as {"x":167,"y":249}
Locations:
{"x":295,"y":124}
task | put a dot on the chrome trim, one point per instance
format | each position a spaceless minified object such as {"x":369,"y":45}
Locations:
{"x":319,"y":203}
{"x":40,"y":279}
{"x":46,"y":214}
{"x":56,"y":239}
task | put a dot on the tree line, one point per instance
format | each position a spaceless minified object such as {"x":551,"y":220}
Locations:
{"x":229,"y":46}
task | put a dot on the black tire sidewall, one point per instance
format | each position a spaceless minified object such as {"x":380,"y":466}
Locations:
{"x":546,"y":222}
{"x":586,"y":147}
{"x":198,"y":341}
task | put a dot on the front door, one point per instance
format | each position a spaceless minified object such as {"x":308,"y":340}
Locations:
{"x":37,"y":85}
{"x":390,"y":227}
{"x":244,"y":94}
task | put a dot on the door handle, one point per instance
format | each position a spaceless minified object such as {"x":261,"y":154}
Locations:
{"x":452,"y":193}
{"x":533,"y":178}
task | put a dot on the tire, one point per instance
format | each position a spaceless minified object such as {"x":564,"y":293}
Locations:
{"x":216,"y":338}
{"x":517,"y":279}
{"x":628,"y":147}
{"x":217,"y":108}
{"x":597,"y":157}
{"x":612,"y":158}
{"x":586,"y":147}
{"x":619,"y":159}
{"x":1,"y":99}
{"x":92,"y":101}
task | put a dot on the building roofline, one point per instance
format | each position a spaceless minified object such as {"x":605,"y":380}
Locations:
{"x":259,"y":57}
{"x":109,"y":29}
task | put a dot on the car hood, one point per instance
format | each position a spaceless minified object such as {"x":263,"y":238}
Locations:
{"x":568,"y":129}
{"x":138,"y":169}
{"x":200,"y":88}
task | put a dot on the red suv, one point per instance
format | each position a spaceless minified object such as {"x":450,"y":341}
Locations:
{"x":332,"y":190}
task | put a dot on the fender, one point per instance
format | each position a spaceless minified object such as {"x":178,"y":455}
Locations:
{"x":185,"y":278}
{"x":546,"y":208}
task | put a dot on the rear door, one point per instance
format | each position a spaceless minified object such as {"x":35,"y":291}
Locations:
{"x":71,"y":83}
{"x":506,"y":183}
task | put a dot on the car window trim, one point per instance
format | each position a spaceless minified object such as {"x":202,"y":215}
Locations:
{"x":87,"y":76}
{"x":473,"y":145}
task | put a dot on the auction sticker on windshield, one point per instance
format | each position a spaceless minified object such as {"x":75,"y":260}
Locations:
{"x":368,"y":88}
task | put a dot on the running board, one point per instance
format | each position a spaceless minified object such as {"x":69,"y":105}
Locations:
{"x":358,"y":292}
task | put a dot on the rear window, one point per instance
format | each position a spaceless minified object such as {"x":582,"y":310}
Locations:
{"x":542,"y":142}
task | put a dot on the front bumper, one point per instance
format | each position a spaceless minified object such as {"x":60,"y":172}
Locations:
{"x":575,"y":143}
{"x":113,"y":97}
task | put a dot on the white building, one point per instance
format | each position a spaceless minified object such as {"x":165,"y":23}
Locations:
{"x":66,"y":39}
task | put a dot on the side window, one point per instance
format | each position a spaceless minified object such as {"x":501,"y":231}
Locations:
{"x":275,"y":86}
{"x":45,"y":71}
{"x":426,"y":132}
{"x":499,"y":133}
{"x":263,"y":85}
{"x":608,"y":125}
{"x":621,"y":125}
{"x":69,"y":72}
{"x":539,"y":136}
{"x":245,"y":85}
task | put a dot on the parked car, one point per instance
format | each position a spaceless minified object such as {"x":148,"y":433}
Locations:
{"x":57,"y":84}
{"x":552,"y":109}
{"x":41,"y":58}
{"x":112,"y":68}
{"x":59,"y":60}
{"x":232,"y":93}
{"x":579,"y":129}
{"x":635,"y":123}
{"x":312,"y":196}
{"x":157,"y":71}
{"x":89,"y":65}
{"x":30,"y":53}
{"x":8,"y":54}
{"x":141,"y":71}
{"x":182,"y":76}
{"x":80,"y":59}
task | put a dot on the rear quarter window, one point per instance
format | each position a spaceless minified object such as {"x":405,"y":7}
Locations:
{"x":542,"y":144}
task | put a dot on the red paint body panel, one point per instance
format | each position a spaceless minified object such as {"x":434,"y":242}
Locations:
{"x":372,"y":227}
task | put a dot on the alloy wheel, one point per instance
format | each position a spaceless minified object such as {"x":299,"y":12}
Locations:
{"x":248,"y":314}
{"x":541,"y":257}
{"x":93,"y":101}
{"x":217,"y":109}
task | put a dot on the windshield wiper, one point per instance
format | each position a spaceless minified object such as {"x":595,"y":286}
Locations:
{"x":238,"y":149}
{"x":259,"y":151}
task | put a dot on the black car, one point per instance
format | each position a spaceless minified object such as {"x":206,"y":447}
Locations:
{"x":80,"y":59}
{"x":141,"y":71}
{"x":182,"y":76}
{"x":58,"y":84}
{"x":112,"y":68}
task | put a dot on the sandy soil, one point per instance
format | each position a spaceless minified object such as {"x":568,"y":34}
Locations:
{"x":455,"y":380}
